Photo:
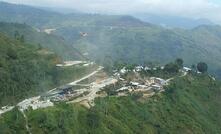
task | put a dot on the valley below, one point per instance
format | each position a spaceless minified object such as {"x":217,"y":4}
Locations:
{"x":97,"y":90}
{"x":91,"y":73}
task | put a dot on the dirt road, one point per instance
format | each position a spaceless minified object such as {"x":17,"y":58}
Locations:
{"x":94,"y":89}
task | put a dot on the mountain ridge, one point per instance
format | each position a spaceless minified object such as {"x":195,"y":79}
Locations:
{"x":41,"y":39}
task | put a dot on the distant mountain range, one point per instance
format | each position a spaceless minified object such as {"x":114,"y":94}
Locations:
{"x":45,"y":19}
{"x":123,"y":38}
{"x":33,"y":41}
{"x":166,"y":21}
{"x":173,"y":21}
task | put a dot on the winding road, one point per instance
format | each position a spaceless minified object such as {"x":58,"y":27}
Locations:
{"x":9,"y":108}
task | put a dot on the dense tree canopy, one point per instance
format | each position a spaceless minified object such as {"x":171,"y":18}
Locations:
{"x":26,"y":70}
{"x":171,"y":68}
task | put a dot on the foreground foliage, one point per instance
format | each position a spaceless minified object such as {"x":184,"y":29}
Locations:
{"x":189,"y":105}
{"x":12,"y":123}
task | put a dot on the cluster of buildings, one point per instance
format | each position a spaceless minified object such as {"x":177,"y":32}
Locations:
{"x":64,"y":93}
{"x":145,"y":68}
{"x":6,"y":109}
{"x":66,"y":96}
{"x":124,"y":70}
{"x":34,"y":103}
{"x":140,"y":84}
{"x":145,"y":84}
{"x":157,"y":83}
{"x":72,"y":92}
{"x":152,"y":84}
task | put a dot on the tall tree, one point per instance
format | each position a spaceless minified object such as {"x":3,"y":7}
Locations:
{"x":202,"y":67}
{"x":108,"y":63}
{"x":22,"y":38}
{"x":171,"y":68}
{"x":16,"y":35}
{"x":179,"y":62}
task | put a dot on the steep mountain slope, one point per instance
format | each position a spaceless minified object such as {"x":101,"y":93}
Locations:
{"x":26,"y":70}
{"x":148,"y":44}
{"x":122,"y":38}
{"x":41,"y":39}
{"x":189,"y":105}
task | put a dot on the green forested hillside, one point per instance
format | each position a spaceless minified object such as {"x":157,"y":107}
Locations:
{"x":26,"y":70}
{"x":148,"y":44}
{"x":190,"y":105}
{"x":22,"y":69}
{"x":116,"y":36}
{"x":41,"y":39}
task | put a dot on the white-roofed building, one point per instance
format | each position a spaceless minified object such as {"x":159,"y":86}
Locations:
{"x":186,"y":69}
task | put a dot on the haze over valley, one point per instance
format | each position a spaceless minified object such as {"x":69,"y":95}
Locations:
{"x":110,"y":67}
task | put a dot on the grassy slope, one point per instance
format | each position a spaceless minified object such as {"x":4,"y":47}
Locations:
{"x":190,"y":105}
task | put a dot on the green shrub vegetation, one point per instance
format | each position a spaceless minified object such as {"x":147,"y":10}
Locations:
{"x":12,"y":123}
{"x":191,"y":104}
